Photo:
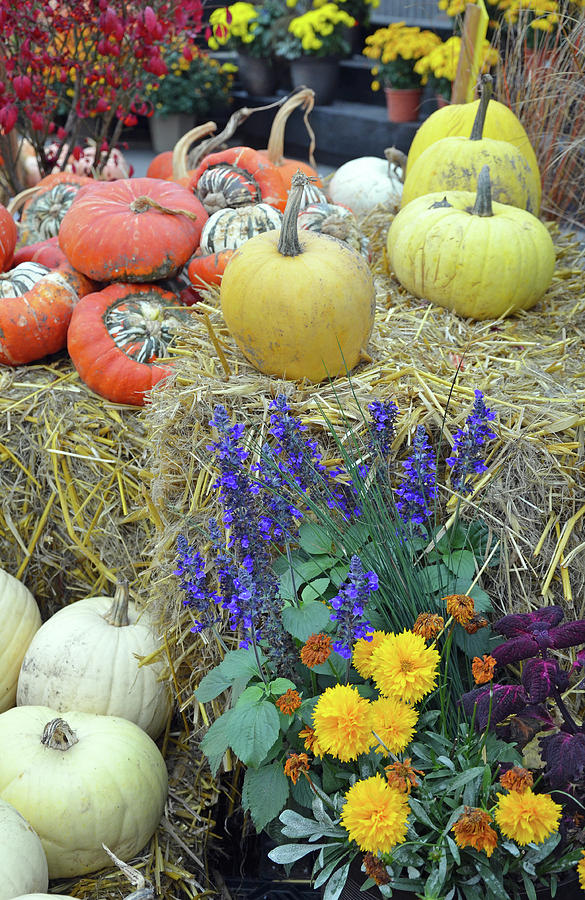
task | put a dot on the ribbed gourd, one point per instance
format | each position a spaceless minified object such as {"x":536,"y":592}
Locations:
{"x":228,"y":229}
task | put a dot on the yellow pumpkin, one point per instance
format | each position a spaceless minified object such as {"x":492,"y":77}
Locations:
{"x":479,"y":259}
{"x":454,"y":164}
{"x":458,"y":118}
{"x":299,"y":306}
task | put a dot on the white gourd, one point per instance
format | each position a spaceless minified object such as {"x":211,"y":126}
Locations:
{"x":23,"y":864}
{"x":71,"y":661}
{"x":19,"y":620}
{"x":82,"y":781}
{"x":365,"y":182}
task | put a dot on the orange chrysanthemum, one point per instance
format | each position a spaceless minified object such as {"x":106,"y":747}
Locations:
{"x":527,"y":817}
{"x":474,"y":829}
{"x":517,"y":779}
{"x":404,"y":667}
{"x":429,"y":625}
{"x":483,"y":669}
{"x":375,"y":869}
{"x":316,"y":650}
{"x":581,"y":871}
{"x":461,"y":607}
{"x":362,"y":653}
{"x":342,"y":722}
{"x":296,"y":764}
{"x":394,"y":723}
{"x":289,"y":702}
{"x":402,"y":776}
{"x":375,"y":815}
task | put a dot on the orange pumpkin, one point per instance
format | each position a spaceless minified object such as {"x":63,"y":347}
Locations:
{"x":257,"y":169}
{"x":132,"y":230}
{"x":116,"y":336}
{"x":46,"y":204}
{"x":49,"y":254}
{"x":161,"y":166}
{"x":8,"y":237}
{"x":208,"y":268}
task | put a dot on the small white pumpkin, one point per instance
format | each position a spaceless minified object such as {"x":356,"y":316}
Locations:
{"x":23,"y":864}
{"x":82,"y":782}
{"x":365,"y":182}
{"x":71,"y":662}
{"x":19,"y":620}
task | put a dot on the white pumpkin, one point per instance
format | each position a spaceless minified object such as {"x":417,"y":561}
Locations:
{"x":365,"y":182}
{"x":72,"y":660}
{"x":19,"y":620}
{"x":44,"y":897}
{"x":82,"y":781}
{"x":23,"y":864}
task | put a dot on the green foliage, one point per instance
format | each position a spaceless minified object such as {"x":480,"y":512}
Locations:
{"x":200,"y":87}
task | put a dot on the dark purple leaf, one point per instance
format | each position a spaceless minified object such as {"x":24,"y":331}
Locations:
{"x":540,"y":677}
{"x":579,"y":660}
{"x":524,"y":623}
{"x":564,"y":756}
{"x":522,"y":728}
{"x":522,"y":647}
{"x":507,"y":699}
{"x":569,"y":634}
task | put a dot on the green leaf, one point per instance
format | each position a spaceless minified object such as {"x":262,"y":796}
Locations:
{"x":338,"y":575}
{"x":297,"y":826}
{"x":264,"y":793}
{"x":439,"y":578}
{"x":250,"y":696}
{"x":314,"y":539}
{"x":280,"y":686}
{"x":312,"y":568}
{"x":436,"y":879}
{"x":420,"y":813}
{"x":289,"y":853}
{"x":252,"y":731}
{"x":335,"y":666}
{"x":212,"y":685}
{"x":238,"y":663}
{"x":216,"y":741}
{"x":336,"y":883}
{"x":462,"y":564}
{"x":315,"y":590}
{"x":311,"y":617}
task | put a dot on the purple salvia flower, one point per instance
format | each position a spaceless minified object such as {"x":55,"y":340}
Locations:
{"x":279,"y":519}
{"x":236,"y":488}
{"x":419,"y":489}
{"x":382,"y":428}
{"x":191,"y":570}
{"x":349,"y":605}
{"x":466,"y":458}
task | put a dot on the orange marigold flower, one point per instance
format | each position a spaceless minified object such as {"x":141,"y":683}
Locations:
{"x":375,"y":869}
{"x":429,"y":625}
{"x":316,"y":650}
{"x":402,"y":775}
{"x":296,"y":764}
{"x":483,"y":669}
{"x":461,"y":607}
{"x":289,"y":702}
{"x":517,"y":779}
{"x":474,"y":829}
{"x":473,"y":626}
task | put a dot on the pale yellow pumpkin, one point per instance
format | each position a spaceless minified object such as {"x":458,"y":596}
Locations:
{"x":72,"y":659}
{"x":454,"y":164}
{"x":81,"y":781}
{"x":299,"y":306}
{"x":19,"y":620}
{"x":479,"y":259}
{"x":23,"y":864}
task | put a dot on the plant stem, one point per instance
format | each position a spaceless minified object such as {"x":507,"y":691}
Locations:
{"x":292,"y":573}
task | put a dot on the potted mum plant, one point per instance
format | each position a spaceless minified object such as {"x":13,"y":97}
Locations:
{"x":396,"y":50}
{"x":439,"y":67}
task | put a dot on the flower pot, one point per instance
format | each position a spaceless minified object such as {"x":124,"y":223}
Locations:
{"x":258,"y":76}
{"x":403,"y":104}
{"x":319,"y":73}
{"x":165,"y":131}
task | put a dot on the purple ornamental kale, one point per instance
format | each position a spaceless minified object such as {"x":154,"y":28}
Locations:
{"x":532,"y":634}
{"x":466,"y":458}
{"x":419,"y":488}
{"x":349,"y":606}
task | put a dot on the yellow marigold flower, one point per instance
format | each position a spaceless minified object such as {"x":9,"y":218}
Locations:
{"x":342,"y":722}
{"x":362,"y":653}
{"x":404,"y":667}
{"x":527,"y":817}
{"x":375,"y":85}
{"x":517,"y":779}
{"x":289,"y":702}
{"x":296,"y":764}
{"x":483,"y":669}
{"x":429,"y":625}
{"x":474,"y":829}
{"x":316,"y":650}
{"x":394,"y":723}
{"x":402,"y":776}
{"x":581,"y":871}
{"x":460,"y":607}
{"x":375,"y":815}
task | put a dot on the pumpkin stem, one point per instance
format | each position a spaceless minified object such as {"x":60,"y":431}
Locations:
{"x":117,"y":615}
{"x":288,"y":242}
{"x":483,"y":200}
{"x":304,"y":97}
{"x":396,"y":162}
{"x":57,"y":735}
{"x":144,"y":203}
{"x":487,"y":87}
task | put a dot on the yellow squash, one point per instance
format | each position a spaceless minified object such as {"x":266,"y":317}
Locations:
{"x":299,"y":306}
{"x":479,"y":259}
{"x":454,"y":164}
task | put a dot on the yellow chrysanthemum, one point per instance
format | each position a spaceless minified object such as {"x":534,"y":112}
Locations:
{"x":375,"y":814}
{"x":394,"y":723}
{"x":404,"y":667}
{"x":362,"y":653}
{"x":527,"y":817}
{"x":342,"y":722}
{"x":581,"y":871}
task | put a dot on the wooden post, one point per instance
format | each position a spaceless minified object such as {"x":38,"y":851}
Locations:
{"x":475,"y":24}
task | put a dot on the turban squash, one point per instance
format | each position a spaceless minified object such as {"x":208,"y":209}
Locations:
{"x":132,"y":230}
{"x":261,"y":175}
{"x":45,"y":205}
{"x":116,"y":336}
{"x":479,"y":259}
{"x":8,"y":237}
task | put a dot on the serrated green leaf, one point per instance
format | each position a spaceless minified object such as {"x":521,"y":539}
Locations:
{"x":310,"y":618}
{"x":250,"y":696}
{"x":252,"y":731}
{"x":318,"y":565}
{"x":439,"y":578}
{"x":216,"y":741}
{"x":315,"y":590}
{"x":281,"y":686}
{"x":264,"y":793}
{"x":314,"y":539}
{"x":239,"y":663}
{"x":212,"y":685}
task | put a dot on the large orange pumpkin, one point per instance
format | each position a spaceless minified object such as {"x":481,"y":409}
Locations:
{"x":132,"y":230}
{"x":161,"y":166}
{"x":8,"y":237}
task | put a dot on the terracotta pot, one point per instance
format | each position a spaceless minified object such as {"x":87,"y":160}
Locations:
{"x":403,"y":104}
{"x":319,"y":73}
{"x":165,"y":131}
{"x":258,"y":76}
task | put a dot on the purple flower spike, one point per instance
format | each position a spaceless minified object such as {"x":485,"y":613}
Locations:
{"x":564,"y":756}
